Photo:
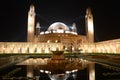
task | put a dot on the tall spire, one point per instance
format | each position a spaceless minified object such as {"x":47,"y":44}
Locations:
{"x":89,"y":26}
{"x":31,"y":24}
{"x":32,"y":9}
{"x":88,"y":11}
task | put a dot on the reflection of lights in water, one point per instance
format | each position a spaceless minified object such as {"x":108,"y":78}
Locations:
{"x":74,"y":75}
{"x":68,"y":72}
{"x":74,"y":70}
{"x":32,"y":61}
{"x":42,"y":71}
{"x":58,"y":67}
{"x":59,"y":76}
{"x":46,"y":72}
{"x":64,"y":75}
{"x":81,"y":59}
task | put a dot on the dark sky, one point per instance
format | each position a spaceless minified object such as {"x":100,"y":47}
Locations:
{"x":13,"y":16}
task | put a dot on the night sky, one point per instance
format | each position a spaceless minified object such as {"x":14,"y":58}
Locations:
{"x":13,"y":16}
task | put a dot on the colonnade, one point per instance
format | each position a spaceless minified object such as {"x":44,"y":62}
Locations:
{"x":111,"y":46}
{"x":27,"y":47}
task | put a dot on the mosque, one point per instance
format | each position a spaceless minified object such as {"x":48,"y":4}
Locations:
{"x":60,"y":37}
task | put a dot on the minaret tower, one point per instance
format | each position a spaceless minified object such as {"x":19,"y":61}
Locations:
{"x":89,"y":26}
{"x":74,"y":29}
{"x":31,"y":24}
{"x":37,"y":29}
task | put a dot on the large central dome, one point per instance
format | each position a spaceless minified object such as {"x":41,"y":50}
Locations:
{"x":58,"y":26}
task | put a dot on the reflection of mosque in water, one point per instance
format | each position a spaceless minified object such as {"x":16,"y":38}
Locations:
{"x":60,"y":36}
{"x":57,"y":67}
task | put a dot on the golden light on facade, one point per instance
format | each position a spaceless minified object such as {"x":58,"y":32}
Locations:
{"x":79,"y":48}
{"x":73,"y":49}
{"x":56,"y":41}
{"x":66,"y":48}
{"x":30,"y":20}
{"x":30,"y":29}
{"x":63,"y":31}
{"x":3,"y":48}
{"x":48,"y":41}
{"x":90,"y":23}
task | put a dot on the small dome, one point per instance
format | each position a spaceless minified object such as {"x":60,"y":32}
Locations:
{"x":58,"y":26}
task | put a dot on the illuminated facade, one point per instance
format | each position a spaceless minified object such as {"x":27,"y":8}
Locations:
{"x":59,"y":33}
{"x":59,"y":37}
{"x":110,"y":46}
{"x":28,"y":47}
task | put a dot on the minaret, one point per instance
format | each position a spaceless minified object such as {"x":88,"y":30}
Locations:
{"x":31,"y":24}
{"x":89,"y":26}
{"x":74,"y":29}
{"x":37,"y":28}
